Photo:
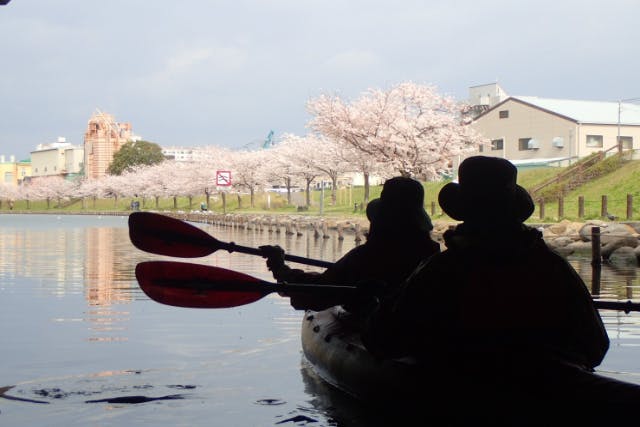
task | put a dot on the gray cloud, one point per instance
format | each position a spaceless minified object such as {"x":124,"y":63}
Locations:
{"x":220,"y":72}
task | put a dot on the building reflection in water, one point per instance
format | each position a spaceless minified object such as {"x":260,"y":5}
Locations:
{"x":62,"y":261}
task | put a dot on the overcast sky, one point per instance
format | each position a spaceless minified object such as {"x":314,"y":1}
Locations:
{"x":201,"y":72}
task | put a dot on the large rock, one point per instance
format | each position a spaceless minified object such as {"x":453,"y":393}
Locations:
{"x":579,"y":247}
{"x":608,"y":231}
{"x":624,"y":257}
{"x":609,"y":248}
{"x":560,"y":242}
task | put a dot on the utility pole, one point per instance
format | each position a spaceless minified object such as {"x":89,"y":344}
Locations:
{"x":620,"y":101}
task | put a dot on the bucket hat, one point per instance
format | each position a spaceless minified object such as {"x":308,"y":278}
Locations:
{"x":487,"y":190}
{"x":401,"y":203}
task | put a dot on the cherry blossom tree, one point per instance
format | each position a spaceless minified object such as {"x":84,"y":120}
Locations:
{"x":330,"y":158}
{"x":48,"y":188}
{"x":175,"y":180}
{"x":152,"y":181}
{"x":88,"y":188}
{"x":278,"y":168}
{"x":113,"y":186}
{"x":210,"y":160}
{"x":8,"y":192}
{"x":299,"y":151}
{"x":365,"y":164}
{"x":409,"y":127}
{"x":247,"y":168}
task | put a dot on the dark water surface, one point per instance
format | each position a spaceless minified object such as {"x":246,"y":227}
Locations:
{"x":83,"y":346}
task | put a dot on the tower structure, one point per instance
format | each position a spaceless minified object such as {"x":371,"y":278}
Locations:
{"x":103,"y":138}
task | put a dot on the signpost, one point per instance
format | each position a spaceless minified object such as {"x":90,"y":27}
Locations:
{"x":223,"y":178}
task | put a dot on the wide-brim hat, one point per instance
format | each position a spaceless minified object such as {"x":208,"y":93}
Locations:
{"x":486,"y":190}
{"x":401,"y":204}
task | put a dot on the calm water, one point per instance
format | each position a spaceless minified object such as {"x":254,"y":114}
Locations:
{"x":75,"y":327}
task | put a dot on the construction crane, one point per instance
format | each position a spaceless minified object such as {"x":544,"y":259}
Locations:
{"x":269,"y":141}
{"x":266,"y":143}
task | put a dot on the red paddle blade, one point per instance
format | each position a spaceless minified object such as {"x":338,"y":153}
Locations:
{"x":163,"y":235}
{"x":198,"y":286}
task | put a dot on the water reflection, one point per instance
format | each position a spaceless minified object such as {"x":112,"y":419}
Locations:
{"x":71,"y":312}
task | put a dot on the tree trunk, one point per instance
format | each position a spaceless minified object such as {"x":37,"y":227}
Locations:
{"x":287,"y":183}
{"x":157,"y":201}
{"x":334,"y":188}
{"x":175,"y":202}
{"x":84,"y":203}
{"x":366,"y":188}
{"x":48,"y":203}
{"x":224,"y":202}
{"x":115,"y":201}
{"x":190,"y":202}
{"x":239,"y":201}
{"x":308,"y":196}
{"x":252,"y":197}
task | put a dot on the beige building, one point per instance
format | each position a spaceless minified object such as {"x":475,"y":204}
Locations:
{"x":58,"y":158}
{"x":103,"y":138}
{"x":538,"y":130}
{"x":14,"y":172}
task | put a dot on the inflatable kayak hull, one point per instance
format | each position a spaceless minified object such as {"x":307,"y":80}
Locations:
{"x":549,"y":393}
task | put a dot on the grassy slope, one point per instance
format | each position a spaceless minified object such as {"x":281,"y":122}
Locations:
{"x":616,"y":186}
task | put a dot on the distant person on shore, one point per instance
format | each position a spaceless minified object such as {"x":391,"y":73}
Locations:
{"x":399,"y":239}
{"x":497,"y":295}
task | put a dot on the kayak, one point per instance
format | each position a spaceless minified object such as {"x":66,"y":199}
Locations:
{"x":332,"y":346}
{"x":550,"y":393}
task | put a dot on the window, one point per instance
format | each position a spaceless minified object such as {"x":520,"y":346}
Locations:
{"x":627,"y":142}
{"x":523,"y":144}
{"x":497,"y":144}
{"x":594,"y":141}
{"x":504,"y":114}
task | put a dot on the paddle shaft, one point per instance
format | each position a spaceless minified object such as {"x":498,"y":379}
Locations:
{"x":233,"y":247}
{"x":626,"y":306}
{"x":261,"y":287}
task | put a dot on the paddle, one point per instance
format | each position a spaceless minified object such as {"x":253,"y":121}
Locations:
{"x":184,"y":284}
{"x":200,"y":286}
{"x":163,"y":235}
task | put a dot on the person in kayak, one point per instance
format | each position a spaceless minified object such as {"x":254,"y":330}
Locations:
{"x":497,"y":294}
{"x":399,"y":238}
